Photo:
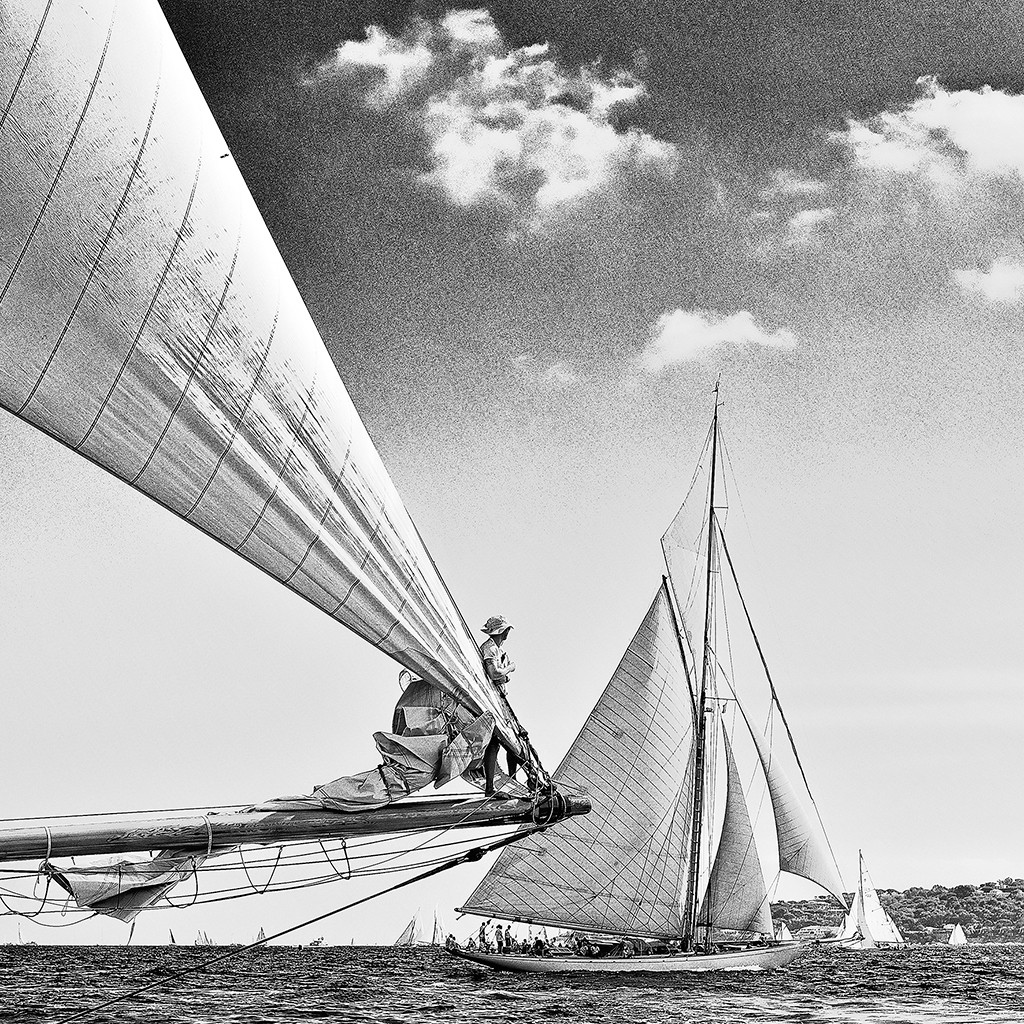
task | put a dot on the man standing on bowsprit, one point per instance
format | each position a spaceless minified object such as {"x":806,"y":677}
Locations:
{"x":498,"y":667}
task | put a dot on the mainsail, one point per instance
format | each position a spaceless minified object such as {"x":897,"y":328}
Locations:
{"x":148,"y":322}
{"x":621,"y":868}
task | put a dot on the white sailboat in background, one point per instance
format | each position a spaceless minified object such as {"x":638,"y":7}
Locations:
{"x":668,"y":852}
{"x":412,"y":933}
{"x":437,"y":935}
{"x":867,"y":925}
{"x":782,"y":932}
{"x":148,"y":323}
{"x":956,"y":935}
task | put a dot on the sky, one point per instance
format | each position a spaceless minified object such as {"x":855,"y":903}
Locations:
{"x":533,"y":237}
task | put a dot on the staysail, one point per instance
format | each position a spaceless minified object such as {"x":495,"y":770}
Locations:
{"x":623,"y":867}
{"x":148,"y":322}
{"x":736,"y":896}
{"x":803,"y":846}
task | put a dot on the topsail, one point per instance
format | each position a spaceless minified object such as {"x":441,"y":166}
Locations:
{"x":148,"y":322}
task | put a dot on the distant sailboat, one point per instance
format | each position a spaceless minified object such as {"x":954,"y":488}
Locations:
{"x":956,"y":936}
{"x":261,"y":935}
{"x":173,"y":941}
{"x":412,"y":934}
{"x":782,"y":932}
{"x":867,"y":924}
{"x":437,"y":938}
{"x":202,"y":939}
{"x":668,"y":852}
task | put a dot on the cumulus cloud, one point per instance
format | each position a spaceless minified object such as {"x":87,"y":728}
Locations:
{"x":502,"y":125}
{"x":943,"y":135}
{"x":804,"y":228}
{"x":789,"y":183}
{"x":681,"y":335}
{"x":559,"y":376}
{"x":1001,"y":284}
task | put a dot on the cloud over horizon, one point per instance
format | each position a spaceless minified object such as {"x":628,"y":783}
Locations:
{"x":681,"y":335}
{"x":501,"y":125}
{"x":1001,"y":284}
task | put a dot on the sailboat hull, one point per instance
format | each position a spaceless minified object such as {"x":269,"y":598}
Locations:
{"x":758,"y":958}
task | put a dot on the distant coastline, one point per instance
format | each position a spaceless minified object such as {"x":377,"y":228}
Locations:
{"x":989,"y":912}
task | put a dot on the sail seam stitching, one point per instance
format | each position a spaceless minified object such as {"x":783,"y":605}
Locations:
{"x":179,"y":237}
{"x":200,"y":356}
{"x":99,"y":254}
{"x":60,"y":169}
{"x":28,"y":61}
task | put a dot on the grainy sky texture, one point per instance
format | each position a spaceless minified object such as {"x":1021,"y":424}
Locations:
{"x":533,"y":235}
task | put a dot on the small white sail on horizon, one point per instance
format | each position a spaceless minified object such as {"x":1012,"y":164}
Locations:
{"x":782,"y":932}
{"x":957,"y":937}
{"x":867,"y":923}
{"x":412,"y":933}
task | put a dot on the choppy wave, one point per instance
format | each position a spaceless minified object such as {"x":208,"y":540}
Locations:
{"x":384,"y":985}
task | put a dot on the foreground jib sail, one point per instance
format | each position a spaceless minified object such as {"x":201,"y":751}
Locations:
{"x":148,"y":322}
{"x":622,"y":868}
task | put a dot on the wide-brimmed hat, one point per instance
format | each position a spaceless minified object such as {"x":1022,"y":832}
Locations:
{"x":495,"y":624}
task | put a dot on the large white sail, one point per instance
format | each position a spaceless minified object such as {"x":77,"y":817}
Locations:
{"x":803,"y":846}
{"x":622,"y":868}
{"x":685,"y":547}
{"x":148,"y":322}
{"x":736,"y":897}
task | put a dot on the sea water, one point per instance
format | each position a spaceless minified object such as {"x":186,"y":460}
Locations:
{"x":385,"y":985}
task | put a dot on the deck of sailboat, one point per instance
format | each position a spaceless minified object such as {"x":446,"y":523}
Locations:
{"x":751,"y":958}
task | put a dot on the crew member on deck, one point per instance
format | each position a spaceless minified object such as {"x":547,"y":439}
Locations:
{"x":498,"y":667}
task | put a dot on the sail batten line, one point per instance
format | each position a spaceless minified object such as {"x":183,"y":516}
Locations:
{"x":200,"y":356}
{"x":158,"y":289}
{"x":241,"y":417}
{"x":103,"y":246}
{"x":27,"y":62}
{"x":56,"y":180}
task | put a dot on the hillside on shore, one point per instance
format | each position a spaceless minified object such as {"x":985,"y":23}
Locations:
{"x":990,"y":912}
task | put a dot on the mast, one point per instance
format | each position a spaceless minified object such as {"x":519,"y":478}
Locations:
{"x":692,"y":910}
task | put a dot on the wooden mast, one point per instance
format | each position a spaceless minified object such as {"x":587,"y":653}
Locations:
{"x":692,"y":909}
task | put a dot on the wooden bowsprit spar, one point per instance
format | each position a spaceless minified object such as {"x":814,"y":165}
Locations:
{"x":199,"y":834}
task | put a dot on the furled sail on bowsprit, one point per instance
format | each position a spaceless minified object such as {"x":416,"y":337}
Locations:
{"x":148,"y":322}
{"x":622,"y":868}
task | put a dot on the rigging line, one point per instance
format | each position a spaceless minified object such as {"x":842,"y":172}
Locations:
{"x":273,"y":870}
{"x":775,"y":698}
{"x":468,"y":857}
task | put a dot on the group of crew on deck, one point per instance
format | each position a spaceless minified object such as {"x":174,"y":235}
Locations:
{"x":571,"y":944}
